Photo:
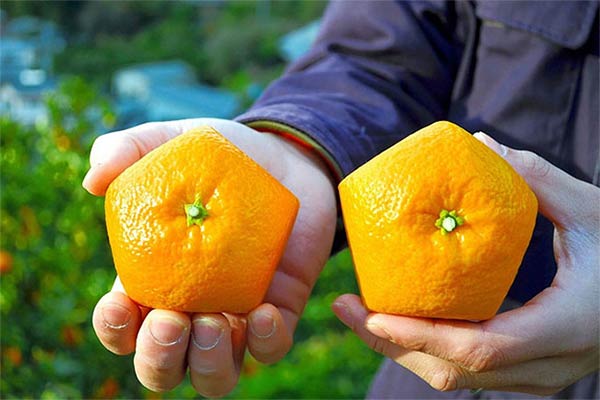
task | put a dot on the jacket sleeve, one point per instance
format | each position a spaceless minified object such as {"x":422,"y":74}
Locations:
{"x":378,"y":71}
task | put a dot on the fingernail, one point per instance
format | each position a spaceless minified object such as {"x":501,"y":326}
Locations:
{"x":343,"y":312}
{"x":115,"y":316}
{"x":491,"y":143}
{"x":207,"y":333}
{"x":262,"y":325}
{"x":166,"y":331}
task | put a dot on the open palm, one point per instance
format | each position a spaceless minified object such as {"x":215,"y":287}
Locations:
{"x":212,"y":346}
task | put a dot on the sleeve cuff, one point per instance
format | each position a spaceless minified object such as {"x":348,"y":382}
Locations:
{"x":300,"y":138}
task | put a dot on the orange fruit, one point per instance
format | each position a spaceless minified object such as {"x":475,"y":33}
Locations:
{"x":196,"y":225}
{"x":13,"y":353}
{"x":109,"y":389}
{"x":437,"y":225}
{"x":6,"y":262}
{"x":71,"y":335}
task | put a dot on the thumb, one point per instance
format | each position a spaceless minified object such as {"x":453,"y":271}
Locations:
{"x":113,"y":152}
{"x":563,"y":199}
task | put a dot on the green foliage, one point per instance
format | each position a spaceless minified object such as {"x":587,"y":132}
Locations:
{"x":168,"y":38}
{"x":61,"y":265}
{"x":219,"y":41}
{"x":54,"y":231}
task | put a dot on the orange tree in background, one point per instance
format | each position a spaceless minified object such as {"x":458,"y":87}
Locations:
{"x":55,"y":264}
{"x":52,"y":231}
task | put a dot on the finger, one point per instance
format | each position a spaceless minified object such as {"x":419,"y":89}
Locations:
{"x":238,"y":326}
{"x":540,"y":376}
{"x":289,"y":294}
{"x":349,"y":310}
{"x":463,"y":343}
{"x":438,"y":373}
{"x":268,"y":337}
{"x":447,"y":340}
{"x":116,"y":320}
{"x":296,"y":274}
{"x":544,"y":376}
{"x":509,"y":338}
{"x":160,"y":358}
{"x":118,"y":287}
{"x":213,"y":372}
{"x":474,"y":347}
{"x":565,"y":200}
{"x":112,"y":153}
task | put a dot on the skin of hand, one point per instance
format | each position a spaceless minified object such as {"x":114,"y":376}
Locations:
{"x":212,"y":346}
{"x":542,"y":347}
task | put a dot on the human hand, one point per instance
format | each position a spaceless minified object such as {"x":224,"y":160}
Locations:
{"x":212,"y":346}
{"x":544,"y":346}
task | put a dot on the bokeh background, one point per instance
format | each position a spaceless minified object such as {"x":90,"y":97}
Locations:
{"x":73,"y":70}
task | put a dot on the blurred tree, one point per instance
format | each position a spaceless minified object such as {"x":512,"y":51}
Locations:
{"x":124,"y":18}
{"x":220,"y":39}
{"x":55,"y":260}
{"x":57,"y":264}
{"x":53,"y":231}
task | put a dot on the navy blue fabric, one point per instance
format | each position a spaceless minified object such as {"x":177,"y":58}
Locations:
{"x":524,"y":72}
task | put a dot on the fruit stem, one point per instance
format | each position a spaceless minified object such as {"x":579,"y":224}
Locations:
{"x":448,"y":221}
{"x":196,"y":213}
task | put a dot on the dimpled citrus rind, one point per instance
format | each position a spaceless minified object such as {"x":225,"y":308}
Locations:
{"x":403,"y":262}
{"x":226,"y":263}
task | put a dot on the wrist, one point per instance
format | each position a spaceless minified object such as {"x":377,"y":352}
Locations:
{"x":302,"y":140}
{"x":300,"y":155}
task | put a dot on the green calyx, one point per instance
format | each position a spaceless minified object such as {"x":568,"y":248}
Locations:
{"x":448,"y":221}
{"x":196,"y":213}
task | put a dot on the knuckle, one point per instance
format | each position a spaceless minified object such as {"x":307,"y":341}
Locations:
{"x":535,"y":165}
{"x":158,"y":381}
{"x":378,"y":345}
{"x":478,"y":357}
{"x":418,"y":344}
{"x":160,"y":361}
{"x":446,"y":379}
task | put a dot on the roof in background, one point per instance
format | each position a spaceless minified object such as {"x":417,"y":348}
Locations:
{"x":167,"y":102}
{"x":172,"y":70}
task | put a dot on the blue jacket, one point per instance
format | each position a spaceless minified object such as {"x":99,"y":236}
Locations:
{"x":525,"y":72}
